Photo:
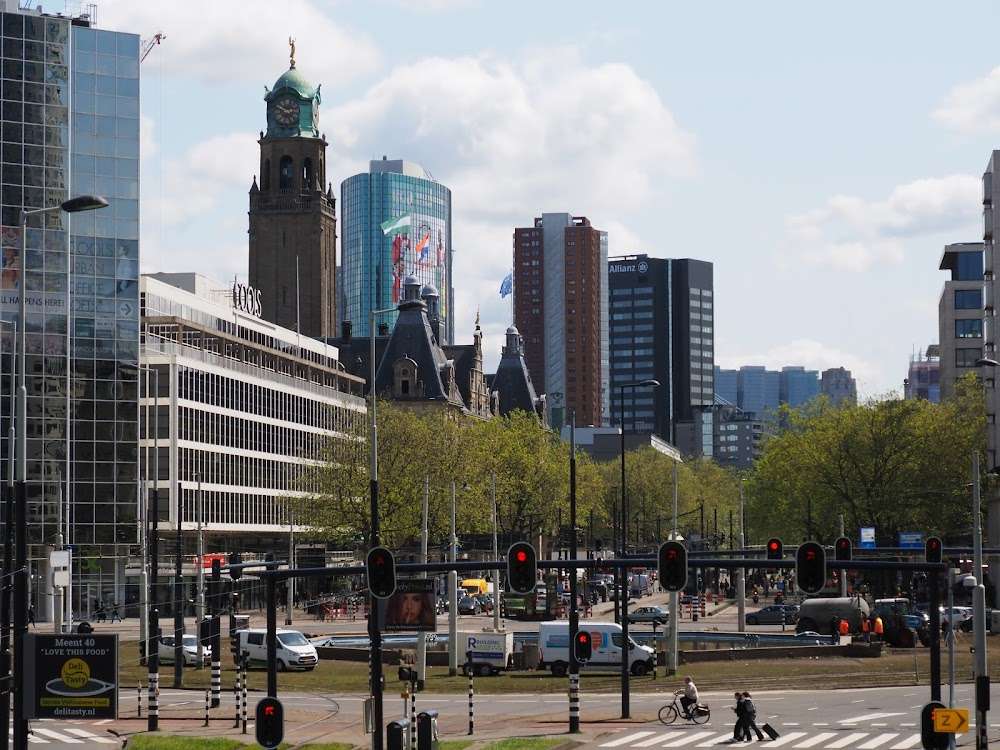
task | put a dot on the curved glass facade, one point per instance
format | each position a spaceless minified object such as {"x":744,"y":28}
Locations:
{"x":373,"y":265}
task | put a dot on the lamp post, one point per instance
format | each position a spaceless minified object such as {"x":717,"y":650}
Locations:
{"x":574,"y":612}
{"x":374,"y":634}
{"x":623,"y":591}
{"x":200,"y":575}
{"x":20,"y":517}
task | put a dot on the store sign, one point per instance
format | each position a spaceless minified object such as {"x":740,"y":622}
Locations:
{"x":246,"y":299}
{"x":71,"y":676}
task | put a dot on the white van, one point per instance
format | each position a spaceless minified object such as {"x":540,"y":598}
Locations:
{"x":553,"y":649}
{"x":294,"y":651}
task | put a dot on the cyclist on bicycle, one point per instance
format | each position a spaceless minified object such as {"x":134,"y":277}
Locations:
{"x":689,"y":696}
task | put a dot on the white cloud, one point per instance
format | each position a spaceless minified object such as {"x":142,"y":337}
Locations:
{"x":852,"y":235}
{"x":973,"y":107}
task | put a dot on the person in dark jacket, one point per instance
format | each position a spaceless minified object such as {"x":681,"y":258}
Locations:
{"x":750,"y":718}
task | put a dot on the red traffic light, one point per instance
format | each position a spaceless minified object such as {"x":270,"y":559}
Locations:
{"x":521,"y":556}
{"x":773,"y":545}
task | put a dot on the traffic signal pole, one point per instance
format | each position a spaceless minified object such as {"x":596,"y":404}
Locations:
{"x":574,"y":613}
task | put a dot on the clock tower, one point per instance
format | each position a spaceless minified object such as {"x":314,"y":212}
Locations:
{"x":293,"y":222}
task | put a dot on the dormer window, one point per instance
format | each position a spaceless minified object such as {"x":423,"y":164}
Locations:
{"x":404,"y":378}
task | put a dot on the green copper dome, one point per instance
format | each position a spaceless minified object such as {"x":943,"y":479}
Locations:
{"x":293,"y":79}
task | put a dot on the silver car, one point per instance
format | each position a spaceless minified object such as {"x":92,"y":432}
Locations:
{"x":774,"y":614}
{"x":189,"y":647}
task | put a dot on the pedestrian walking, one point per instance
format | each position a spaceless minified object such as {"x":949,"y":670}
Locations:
{"x":750,"y":718}
{"x":740,"y":731}
{"x":877,"y":629}
{"x":31,"y":615}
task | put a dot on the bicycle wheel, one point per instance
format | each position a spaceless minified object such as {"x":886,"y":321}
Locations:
{"x":701,"y":717}
{"x":668,"y":714}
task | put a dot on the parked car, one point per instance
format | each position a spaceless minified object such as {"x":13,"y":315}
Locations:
{"x":958,"y":617}
{"x":648,"y":614}
{"x":773,"y":614}
{"x":189,"y":646}
{"x":469,"y":606}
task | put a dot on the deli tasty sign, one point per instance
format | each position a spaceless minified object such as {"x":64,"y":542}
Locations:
{"x":246,"y":299}
{"x":71,"y":676}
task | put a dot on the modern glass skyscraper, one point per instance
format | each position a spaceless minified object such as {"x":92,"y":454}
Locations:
{"x":69,"y":105}
{"x":395,"y":222}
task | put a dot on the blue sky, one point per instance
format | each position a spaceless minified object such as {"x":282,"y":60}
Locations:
{"x":820,"y":155}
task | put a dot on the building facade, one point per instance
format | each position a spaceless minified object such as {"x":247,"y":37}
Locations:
{"x":238,"y":406}
{"x":923,"y":377}
{"x":69,"y":104}
{"x":396,"y":223}
{"x":797,"y":386}
{"x":960,"y":313}
{"x":293,"y":223}
{"x":662,"y":327}
{"x":838,"y":386}
{"x":560,"y":279}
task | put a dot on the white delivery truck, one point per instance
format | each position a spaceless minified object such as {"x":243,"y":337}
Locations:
{"x":554,"y":642}
{"x":490,"y":651}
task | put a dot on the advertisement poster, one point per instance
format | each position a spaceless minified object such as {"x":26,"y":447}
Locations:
{"x":412,"y":606}
{"x":71,"y":676}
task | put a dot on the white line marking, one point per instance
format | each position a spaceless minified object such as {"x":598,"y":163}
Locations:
{"x":687,"y":738}
{"x":657,"y":739}
{"x":56,"y":736}
{"x":92,"y":737}
{"x":786,"y":739}
{"x":822,"y":737}
{"x":627,"y":739}
{"x":725,"y":738}
{"x":880,"y":740}
{"x":870,"y":717}
{"x":845,"y":741}
{"x":914,"y":739}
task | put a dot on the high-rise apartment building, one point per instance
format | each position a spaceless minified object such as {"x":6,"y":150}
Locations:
{"x":923,"y":377}
{"x":960,"y":313}
{"x":293,"y":222}
{"x":561,"y":310}
{"x":395,"y":223}
{"x":70,"y":126}
{"x":838,"y":386}
{"x":662,"y":327}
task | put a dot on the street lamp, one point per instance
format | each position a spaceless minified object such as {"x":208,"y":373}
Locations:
{"x":20,"y":518}
{"x":374,"y":634}
{"x":623,"y":591}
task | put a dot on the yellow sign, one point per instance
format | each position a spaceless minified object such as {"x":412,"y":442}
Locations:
{"x":951,"y":720}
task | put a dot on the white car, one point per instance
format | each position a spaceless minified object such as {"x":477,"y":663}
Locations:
{"x":958,"y":617}
{"x":189,"y":647}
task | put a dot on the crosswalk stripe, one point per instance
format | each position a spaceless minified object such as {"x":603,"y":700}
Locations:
{"x":845,"y":741}
{"x":817,"y":739}
{"x":56,"y":735}
{"x":90,"y":736}
{"x":688,"y":738}
{"x":725,"y":737}
{"x":627,"y":738}
{"x":913,"y":739}
{"x":785,"y":739}
{"x":879,"y":740}
{"x":656,"y":740}
{"x":32,"y":739}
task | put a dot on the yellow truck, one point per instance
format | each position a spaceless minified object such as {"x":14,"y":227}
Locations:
{"x":476,"y":586}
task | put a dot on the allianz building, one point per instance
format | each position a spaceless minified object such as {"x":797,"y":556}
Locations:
{"x":234,"y":405}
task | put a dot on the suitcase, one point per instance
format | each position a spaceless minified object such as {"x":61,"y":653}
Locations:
{"x":770,"y":731}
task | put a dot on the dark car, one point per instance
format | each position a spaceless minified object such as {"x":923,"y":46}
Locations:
{"x":469,"y":606}
{"x":774,"y":614}
{"x":648,"y":614}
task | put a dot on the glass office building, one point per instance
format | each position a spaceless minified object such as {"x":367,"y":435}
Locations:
{"x":69,"y":103}
{"x":375,"y":260}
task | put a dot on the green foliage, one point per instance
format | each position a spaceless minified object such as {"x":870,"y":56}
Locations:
{"x":897,"y":465}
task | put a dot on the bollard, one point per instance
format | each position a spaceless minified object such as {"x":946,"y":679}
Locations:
{"x":243,"y":692}
{"x":397,"y":736}
{"x":208,"y":704}
{"x":236,"y":700}
{"x":427,"y":730}
{"x":138,"y":700}
{"x":470,"y":669}
{"x":413,"y":709}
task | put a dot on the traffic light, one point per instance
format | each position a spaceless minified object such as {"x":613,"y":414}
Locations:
{"x":932,"y":550}
{"x":584,"y":646}
{"x":270,"y":716}
{"x":810,"y":567}
{"x":216,"y":569}
{"x":381,"y":568}
{"x":843,"y":549}
{"x":930,"y":739}
{"x":775,"y":549}
{"x":235,"y":559}
{"x":522,"y":568}
{"x":673,"y":566}
{"x":270,"y":561}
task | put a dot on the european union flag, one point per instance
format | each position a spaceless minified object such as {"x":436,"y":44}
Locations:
{"x":507,"y":287}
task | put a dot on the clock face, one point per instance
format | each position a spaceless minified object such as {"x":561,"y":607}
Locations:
{"x":286,"y":111}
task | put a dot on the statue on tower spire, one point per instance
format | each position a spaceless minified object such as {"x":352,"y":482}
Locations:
{"x":291,"y":56}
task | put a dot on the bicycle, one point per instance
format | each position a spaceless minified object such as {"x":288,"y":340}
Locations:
{"x":700,"y":713}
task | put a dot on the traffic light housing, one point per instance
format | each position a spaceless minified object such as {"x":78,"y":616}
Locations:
{"x":522,"y":568}
{"x":775,"y":549}
{"x":930,"y":739}
{"x":843,"y":549}
{"x":270,"y":720}
{"x":235,"y":558}
{"x":672,"y":559}
{"x":584,"y":646}
{"x":810,"y":567}
{"x":933,"y":549}
{"x":381,"y":569}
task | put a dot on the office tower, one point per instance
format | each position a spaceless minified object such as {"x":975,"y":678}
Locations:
{"x":757,"y":390}
{"x":960,"y":313}
{"x":293,"y":223}
{"x":395,"y":223}
{"x":797,"y":386}
{"x":561,"y":310}
{"x":838,"y":386}
{"x":662,"y":327}
{"x":80,"y":275}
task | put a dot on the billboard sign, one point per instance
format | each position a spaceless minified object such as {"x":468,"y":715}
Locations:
{"x":412,"y":607}
{"x":71,"y":676}
{"x":867,"y":537}
{"x":911,"y":539}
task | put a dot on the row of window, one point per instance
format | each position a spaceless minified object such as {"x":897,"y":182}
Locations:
{"x":970,"y":328}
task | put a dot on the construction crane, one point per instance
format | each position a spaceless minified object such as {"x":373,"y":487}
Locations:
{"x":148,"y":44}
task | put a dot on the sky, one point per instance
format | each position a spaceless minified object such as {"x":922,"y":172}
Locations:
{"x":820,"y":155}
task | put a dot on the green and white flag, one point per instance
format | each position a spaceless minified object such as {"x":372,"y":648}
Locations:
{"x":396,"y":226}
